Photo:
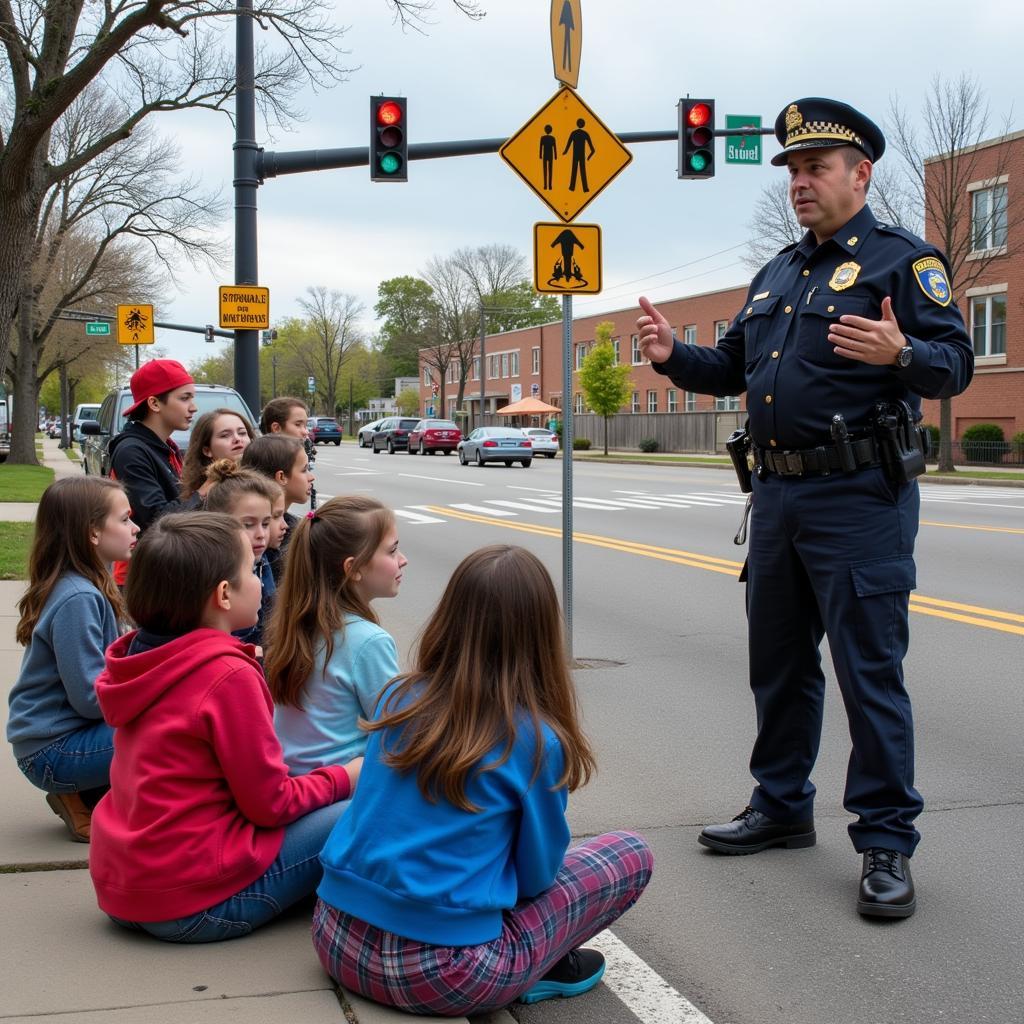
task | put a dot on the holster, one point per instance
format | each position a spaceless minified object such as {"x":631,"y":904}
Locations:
{"x":901,"y":443}
{"x":739,"y":448}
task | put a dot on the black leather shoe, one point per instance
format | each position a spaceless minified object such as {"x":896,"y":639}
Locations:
{"x":886,"y":888}
{"x":751,"y":831}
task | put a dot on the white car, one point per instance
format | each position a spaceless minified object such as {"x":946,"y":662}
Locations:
{"x":545,"y":442}
{"x":365,"y":434}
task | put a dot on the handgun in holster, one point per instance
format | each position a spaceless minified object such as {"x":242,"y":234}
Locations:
{"x":902,"y":445}
{"x":739,"y":446}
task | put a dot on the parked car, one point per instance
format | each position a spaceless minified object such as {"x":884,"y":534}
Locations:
{"x":98,"y":433}
{"x":545,"y":442}
{"x":429,"y":436}
{"x":496,"y":444}
{"x":82,"y":412}
{"x":392,"y":434}
{"x":53,"y":428}
{"x":364,"y":435}
{"x":324,"y":430}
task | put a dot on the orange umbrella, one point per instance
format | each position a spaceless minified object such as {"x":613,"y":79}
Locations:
{"x":528,"y":407}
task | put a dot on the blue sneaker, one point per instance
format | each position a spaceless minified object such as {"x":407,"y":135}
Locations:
{"x":577,"y":972}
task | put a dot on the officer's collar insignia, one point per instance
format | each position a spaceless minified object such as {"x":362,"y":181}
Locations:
{"x":844,"y":276}
{"x":852,"y":240}
{"x":931,"y":276}
{"x":793,"y":118}
{"x":760,"y":295}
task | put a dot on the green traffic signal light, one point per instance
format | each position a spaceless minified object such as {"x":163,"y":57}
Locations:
{"x":389,"y":148}
{"x":389,"y":163}
{"x":696,"y":139}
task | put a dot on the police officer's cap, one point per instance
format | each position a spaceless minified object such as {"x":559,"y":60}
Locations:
{"x":815,"y":122}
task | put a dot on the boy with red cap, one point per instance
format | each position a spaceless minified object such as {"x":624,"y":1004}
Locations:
{"x":143,"y":456}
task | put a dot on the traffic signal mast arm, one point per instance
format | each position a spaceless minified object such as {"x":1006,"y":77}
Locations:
{"x":82,"y":317}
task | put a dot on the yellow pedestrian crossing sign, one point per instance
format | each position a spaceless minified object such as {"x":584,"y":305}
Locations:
{"x":567,"y":258}
{"x":566,"y":154}
{"x":135,"y":324}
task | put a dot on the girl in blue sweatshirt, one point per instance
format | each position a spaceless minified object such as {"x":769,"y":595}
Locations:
{"x":449,"y":887}
{"x":70,"y":614}
{"x":328,"y":658}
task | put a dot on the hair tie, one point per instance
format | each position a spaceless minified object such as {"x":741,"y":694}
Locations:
{"x":311,"y":514}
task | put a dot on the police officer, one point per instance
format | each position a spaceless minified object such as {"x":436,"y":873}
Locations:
{"x":854,"y":313}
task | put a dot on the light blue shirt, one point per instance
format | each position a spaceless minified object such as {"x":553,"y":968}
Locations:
{"x":325,"y":729}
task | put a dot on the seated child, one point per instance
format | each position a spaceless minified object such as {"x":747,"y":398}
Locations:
{"x":203,"y":835}
{"x":328,"y":659}
{"x":457,"y":835}
{"x":69,"y":615}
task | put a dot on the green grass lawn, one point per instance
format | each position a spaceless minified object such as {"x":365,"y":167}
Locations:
{"x":72,"y":453}
{"x":24,"y":483}
{"x":15,"y":541}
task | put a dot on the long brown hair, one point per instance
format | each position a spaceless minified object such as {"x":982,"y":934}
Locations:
{"x":68,"y":510}
{"x":492,"y":652}
{"x":230,"y":482}
{"x":196,"y":463}
{"x":316,"y":592}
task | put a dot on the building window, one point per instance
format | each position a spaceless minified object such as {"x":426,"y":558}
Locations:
{"x":690,"y":334}
{"x":635,"y":339}
{"x":731,"y":403}
{"x":535,"y":360}
{"x":504,"y":364}
{"x":492,"y":367}
{"x":634,"y":405}
{"x":721,"y":326}
{"x":988,"y":218}
{"x":691,"y":401}
{"x":988,"y":324}
{"x":615,"y":349}
{"x":476,"y":367}
{"x":672,"y":399}
{"x":513,"y":363}
{"x":581,"y":353}
{"x":652,"y":401}
{"x":579,"y":403}
{"x":426,"y":376}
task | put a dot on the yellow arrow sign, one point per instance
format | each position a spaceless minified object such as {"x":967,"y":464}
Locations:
{"x":567,"y":258}
{"x":135,"y":324}
{"x":566,"y":154}
{"x":566,"y":39}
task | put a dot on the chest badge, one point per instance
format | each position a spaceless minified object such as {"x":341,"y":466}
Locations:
{"x":931,"y":276}
{"x":844,"y":276}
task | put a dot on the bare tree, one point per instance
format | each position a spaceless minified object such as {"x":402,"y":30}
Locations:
{"x":457,"y":314}
{"x":772,"y":227}
{"x":951,"y":150}
{"x":333,"y":320}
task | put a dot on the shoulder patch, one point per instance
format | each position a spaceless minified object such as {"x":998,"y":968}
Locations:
{"x":931,"y":276}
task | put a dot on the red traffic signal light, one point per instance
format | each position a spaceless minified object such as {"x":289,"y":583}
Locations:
{"x":389,"y":147}
{"x":696,"y":139}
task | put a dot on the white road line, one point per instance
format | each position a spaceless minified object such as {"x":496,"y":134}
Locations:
{"x":718,"y":499}
{"x":416,"y":518}
{"x":645,"y":993}
{"x":523,"y":506}
{"x":974,"y":504}
{"x":443,"y":479}
{"x":539,"y":490}
{"x":483,"y":509}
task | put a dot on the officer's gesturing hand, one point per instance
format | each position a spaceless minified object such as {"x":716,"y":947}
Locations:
{"x":655,"y":339}
{"x":868,"y":341}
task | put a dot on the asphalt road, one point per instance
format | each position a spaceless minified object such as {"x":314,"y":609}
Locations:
{"x":658,"y":613}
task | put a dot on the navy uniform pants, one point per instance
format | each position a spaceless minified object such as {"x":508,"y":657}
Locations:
{"x":834,"y":556}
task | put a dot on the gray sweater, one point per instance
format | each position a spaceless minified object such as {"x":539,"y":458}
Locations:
{"x":54,"y":694}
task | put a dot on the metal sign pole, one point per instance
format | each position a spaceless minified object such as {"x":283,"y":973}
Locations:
{"x":567,"y":448}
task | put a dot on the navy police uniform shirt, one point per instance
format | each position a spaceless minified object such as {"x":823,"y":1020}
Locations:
{"x":777,"y":348}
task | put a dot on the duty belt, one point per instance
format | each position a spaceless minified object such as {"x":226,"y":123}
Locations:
{"x":820,"y":461}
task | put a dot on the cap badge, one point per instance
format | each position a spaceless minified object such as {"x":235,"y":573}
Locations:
{"x":844,"y":276}
{"x":793,"y":118}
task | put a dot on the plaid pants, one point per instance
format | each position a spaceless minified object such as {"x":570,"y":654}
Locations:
{"x":599,"y":880}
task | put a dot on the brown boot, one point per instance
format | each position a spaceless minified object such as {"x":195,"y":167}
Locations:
{"x":73,"y":812}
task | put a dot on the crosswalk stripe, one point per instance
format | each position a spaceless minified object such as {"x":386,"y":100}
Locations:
{"x":486,"y":510}
{"x":521,"y":505}
{"x":417,"y":518}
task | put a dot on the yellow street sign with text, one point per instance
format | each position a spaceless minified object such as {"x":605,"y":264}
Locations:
{"x":566,"y":154}
{"x":567,"y":258}
{"x":566,"y":39}
{"x":135,"y":324}
{"x":244,"y":307}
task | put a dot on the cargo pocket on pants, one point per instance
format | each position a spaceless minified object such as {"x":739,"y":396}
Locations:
{"x":884,"y":576}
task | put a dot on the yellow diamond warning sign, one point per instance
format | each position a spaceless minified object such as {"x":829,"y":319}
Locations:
{"x":135,"y":324}
{"x":244,"y":307}
{"x":566,"y":154}
{"x":567,"y":258}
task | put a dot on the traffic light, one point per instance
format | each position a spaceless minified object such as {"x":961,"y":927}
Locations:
{"x":389,"y":145}
{"x":209,"y":332}
{"x":696,"y":139}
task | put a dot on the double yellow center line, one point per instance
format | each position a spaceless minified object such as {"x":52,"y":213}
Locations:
{"x":973,"y":615}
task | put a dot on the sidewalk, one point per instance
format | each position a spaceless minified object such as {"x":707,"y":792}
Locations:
{"x":64,"y":960}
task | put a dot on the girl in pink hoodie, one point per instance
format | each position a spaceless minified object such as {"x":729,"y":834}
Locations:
{"x":203,"y":835}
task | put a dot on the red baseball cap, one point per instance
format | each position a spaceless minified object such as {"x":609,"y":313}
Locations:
{"x":155,"y":378}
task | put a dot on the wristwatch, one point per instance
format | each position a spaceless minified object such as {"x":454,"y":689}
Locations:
{"x":904,"y":357}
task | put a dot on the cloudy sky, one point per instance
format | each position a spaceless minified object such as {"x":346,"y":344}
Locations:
{"x":662,"y":237}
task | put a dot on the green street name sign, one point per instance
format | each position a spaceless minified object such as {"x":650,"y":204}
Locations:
{"x":97,"y":327}
{"x":742,"y":149}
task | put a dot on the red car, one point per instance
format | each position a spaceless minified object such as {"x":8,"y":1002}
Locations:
{"x":429,"y":436}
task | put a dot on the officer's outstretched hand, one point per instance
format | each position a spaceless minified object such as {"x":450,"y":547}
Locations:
{"x":868,"y":341}
{"x":655,"y":334}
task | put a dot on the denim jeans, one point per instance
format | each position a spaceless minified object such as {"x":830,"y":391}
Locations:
{"x":295,"y":873}
{"x":75,"y":763}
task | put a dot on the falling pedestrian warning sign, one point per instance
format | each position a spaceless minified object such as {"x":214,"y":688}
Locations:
{"x":567,"y":258}
{"x":566,"y":154}
{"x":566,"y":39}
{"x":135,"y":324}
